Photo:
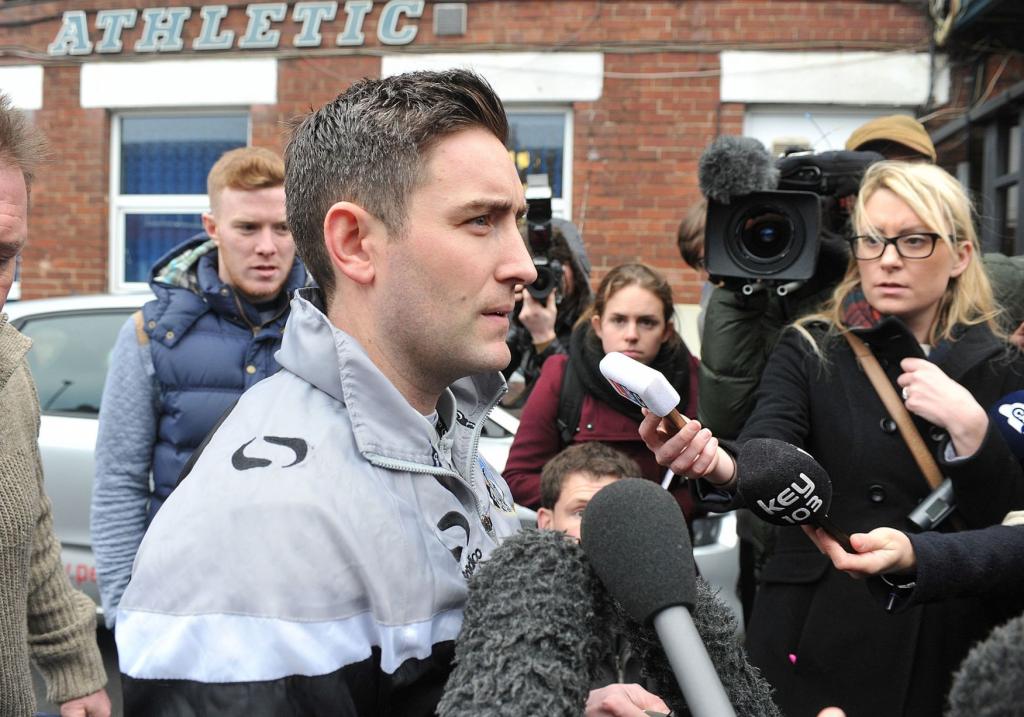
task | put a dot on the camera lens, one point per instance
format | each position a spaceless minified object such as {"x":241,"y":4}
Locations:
{"x":765,"y":234}
{"x":544,"y":284}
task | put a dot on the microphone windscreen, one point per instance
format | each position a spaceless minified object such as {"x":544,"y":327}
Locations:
{"x":639,"y":383}
{"x":782,"y":484}
{"x":1008,"y":416}
{"x":635,"y":537}
{"x":533,"y":631}
{"x":734,"y":166}
{"x":989,"y":679}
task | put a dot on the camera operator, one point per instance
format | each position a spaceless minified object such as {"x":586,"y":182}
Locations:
{"x":741,"y":329}
{"x":547,"y":309}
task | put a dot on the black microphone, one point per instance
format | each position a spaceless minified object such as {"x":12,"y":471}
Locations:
{"x":735,"y":166}
{"x":783,"y":485}
{"x":635,"y":537}
{"x":538,"y":623}
{"x":1008,"y":417}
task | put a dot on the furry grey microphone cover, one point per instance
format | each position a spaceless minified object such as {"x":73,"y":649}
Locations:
{"x":989,"y":682}
{"x":749,"y":693}
{"x":537,"y":624}
{"x":531,"y":633}
{"x":735,"y":166}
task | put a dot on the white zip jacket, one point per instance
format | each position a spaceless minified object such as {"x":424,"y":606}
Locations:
{"x":314,"y":560}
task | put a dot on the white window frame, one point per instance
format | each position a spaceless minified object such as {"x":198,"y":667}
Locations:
{"x":561,"y":208}
{"x":123,"y":204}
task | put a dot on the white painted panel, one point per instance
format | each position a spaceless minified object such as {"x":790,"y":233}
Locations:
{"x":846,"y":78}
{"x":24,"y":85}
{"x":823,"y":128}
{"x":518,"y":76}
{"x":176,"y":83}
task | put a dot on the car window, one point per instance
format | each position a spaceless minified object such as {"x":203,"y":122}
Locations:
{"x":69,"y":357}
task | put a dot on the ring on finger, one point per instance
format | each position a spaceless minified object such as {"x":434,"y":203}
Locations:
{"x":905,"y":393}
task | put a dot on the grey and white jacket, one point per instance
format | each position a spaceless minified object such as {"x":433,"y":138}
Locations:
{"x":314,"y":560}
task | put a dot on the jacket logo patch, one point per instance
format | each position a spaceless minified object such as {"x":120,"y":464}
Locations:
{"x":242,"y":462}
{"x":455,"y":520}
{"x":502,"y":500}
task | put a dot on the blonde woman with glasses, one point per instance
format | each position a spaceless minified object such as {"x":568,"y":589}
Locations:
{"x":916,"y":293}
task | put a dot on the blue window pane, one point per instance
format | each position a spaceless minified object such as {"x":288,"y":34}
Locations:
{"x":538,"y":143}
{"x":149,"y":236}
{"x":172,"y":155}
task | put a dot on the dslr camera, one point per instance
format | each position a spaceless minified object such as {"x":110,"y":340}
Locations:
{"x":550,"y":273}
{"x":774,"y":236}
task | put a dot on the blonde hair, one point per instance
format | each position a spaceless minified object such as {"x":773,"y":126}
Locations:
{"x":245,"y":168}
{"x":943,"y":207}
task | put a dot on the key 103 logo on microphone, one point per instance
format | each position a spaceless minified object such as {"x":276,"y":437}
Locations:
{"x":795,"y":504}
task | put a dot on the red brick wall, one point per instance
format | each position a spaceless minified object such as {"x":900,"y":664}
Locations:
{"x":635,"y":149}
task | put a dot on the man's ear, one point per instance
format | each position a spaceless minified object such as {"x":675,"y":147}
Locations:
{"x":544,"y":518}
{"x":210,"y":225}
{"x":352,"y":236}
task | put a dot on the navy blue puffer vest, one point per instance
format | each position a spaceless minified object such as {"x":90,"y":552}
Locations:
{"x":208,"y":345}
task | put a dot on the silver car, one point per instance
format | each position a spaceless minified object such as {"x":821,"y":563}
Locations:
{"x":72,"y":341}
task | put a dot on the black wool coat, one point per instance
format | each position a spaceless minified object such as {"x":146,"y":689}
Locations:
{"x":818,"y":635}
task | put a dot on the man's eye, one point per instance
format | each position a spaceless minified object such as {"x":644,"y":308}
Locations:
{"x":481,"y":221}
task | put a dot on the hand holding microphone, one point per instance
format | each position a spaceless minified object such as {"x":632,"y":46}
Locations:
{"x":883,"y":550}
{"x":677,"y":442}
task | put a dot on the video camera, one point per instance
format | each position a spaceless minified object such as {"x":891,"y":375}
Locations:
{"x":550,"y":273}
{"x":766,"y":218}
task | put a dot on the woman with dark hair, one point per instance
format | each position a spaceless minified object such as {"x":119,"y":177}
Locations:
{"x":632,"y":313}
{"x":917,"y":295}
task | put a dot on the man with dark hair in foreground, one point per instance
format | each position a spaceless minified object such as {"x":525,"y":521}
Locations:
{"x":314,"y":560}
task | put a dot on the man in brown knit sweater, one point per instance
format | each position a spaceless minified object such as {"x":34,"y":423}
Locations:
{"x":42,"y":617}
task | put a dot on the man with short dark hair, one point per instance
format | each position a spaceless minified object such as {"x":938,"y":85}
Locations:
{"x":570,"y":479}
{"x":314,"y":561}
{"x":42,"y":618}
{"x":185,"y":358}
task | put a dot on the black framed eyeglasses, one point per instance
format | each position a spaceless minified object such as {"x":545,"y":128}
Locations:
{"x":917,"y":245}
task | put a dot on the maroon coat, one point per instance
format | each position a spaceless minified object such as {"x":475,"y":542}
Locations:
{"x":537,"y":441}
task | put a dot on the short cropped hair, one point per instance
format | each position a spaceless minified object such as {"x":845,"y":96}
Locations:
{"x":593,"y":458}
{"x":369,"y":146}
{"x":245,"y":168}
{"x":690,"y":237}
{"x":21,"y":145}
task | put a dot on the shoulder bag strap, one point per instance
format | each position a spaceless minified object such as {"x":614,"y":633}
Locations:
{"x":896,"y":409}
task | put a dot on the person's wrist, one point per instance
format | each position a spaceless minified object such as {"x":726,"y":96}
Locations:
{"x":543,"y":337}
{"x":728,"y":482}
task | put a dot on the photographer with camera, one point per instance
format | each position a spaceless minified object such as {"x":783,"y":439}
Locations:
{"x":917,"y":295}
{"x":775,"y":266}
{"x":547,"y":309}
{"x":573,"y":403}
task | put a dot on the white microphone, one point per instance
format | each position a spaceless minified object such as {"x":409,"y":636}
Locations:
{"x":644,"y":386}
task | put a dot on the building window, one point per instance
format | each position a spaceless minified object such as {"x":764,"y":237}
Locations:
{"x":158,"y":184}
{"x":541,"y":143}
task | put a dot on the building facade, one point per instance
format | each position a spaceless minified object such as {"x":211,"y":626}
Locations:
{"x":614,"y":101}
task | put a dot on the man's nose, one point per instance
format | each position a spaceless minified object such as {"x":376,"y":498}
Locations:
{"x":265,"y":241}
{"x":517,"y":264}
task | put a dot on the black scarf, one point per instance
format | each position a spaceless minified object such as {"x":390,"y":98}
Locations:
{"x":585,"y":353}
